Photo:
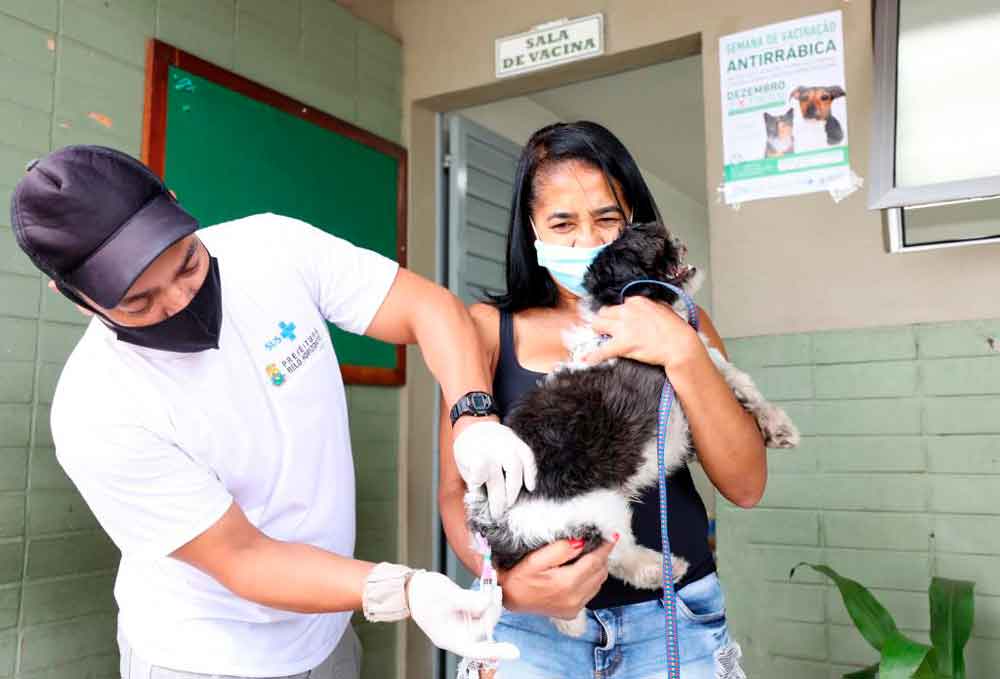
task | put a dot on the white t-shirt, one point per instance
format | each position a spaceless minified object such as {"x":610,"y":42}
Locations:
{"x":161,"y":443}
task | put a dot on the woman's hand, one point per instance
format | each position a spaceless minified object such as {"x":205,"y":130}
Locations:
{"x":645,"y":331}
{"x":545,"y":584}
{"x":726,"y":437}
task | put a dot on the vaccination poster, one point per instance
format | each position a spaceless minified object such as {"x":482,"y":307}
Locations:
{"x":784,"y":109}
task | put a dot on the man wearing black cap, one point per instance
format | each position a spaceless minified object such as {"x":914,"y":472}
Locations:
{"x":202,"y":416}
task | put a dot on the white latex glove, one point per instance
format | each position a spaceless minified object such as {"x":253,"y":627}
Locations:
{"x":455,"y":619}
{"x":492,"y":454}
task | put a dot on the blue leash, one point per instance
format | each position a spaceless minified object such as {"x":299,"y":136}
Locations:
{"x":666,"y":404}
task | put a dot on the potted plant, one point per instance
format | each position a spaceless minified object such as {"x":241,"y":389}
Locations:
{"x":951,"y":606}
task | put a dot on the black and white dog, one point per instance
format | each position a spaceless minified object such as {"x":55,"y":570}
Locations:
{"x":593,"y":429}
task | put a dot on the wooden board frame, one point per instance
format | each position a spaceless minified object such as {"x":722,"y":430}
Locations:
{"x":160,"y":57}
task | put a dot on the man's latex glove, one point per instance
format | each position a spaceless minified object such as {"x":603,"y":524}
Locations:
{"x":455,"y":619}
{"x":492,"y":454}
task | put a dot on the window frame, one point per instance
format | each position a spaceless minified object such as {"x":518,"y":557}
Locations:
{"x":895,"y":235}
{"x":883,"y":194}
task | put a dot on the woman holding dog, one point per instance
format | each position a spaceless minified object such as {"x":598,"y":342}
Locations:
{"x":576,"y":189}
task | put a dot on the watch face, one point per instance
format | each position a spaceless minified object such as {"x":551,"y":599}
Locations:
{"x":480,"y":401}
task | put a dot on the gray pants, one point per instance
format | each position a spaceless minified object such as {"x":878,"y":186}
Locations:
{"x":343,"y":663}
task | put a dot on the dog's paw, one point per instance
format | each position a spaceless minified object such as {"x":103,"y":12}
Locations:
{"x":680,"y":567}
{"x":646,"y":570}
{"x":739,"y":382}
{"x":743,"y":387}
{"x":648,"y":576}
{"x":643,"y":568}
{"x":572,"y":628}
{"x":778,"y":429}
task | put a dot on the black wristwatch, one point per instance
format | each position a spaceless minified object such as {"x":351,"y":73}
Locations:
{"x":475,"y":403}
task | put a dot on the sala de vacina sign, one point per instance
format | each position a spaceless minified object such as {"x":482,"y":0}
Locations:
{"x":551,"y":44}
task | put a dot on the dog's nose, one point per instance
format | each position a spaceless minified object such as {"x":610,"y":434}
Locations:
{"x":811,"y":111}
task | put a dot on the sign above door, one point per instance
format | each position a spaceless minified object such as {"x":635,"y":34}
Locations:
{"x":550,"y":44}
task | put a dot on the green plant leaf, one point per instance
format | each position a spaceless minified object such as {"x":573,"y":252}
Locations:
{"x":901,"y":657}
{"x":866,"y":673}
{"x":952,"y":603}
{"x":869,"y":616}
{"x":926,"y":670}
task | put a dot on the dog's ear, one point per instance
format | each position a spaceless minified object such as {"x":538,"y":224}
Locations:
{"x":669,"y":264}
{"x":796,"y":94}
{"x":693,"y":281}
{"x":836,"y":91}
{"x":790,"y":113}
{"x":768,"y":117}
{"x":667,"y":249}
{"x":680,"y":248}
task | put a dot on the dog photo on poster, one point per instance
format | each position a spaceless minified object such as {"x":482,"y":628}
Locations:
{"x":784,"y":109}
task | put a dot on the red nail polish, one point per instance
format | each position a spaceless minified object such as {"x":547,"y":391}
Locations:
{"x":576,"y":543}
{"x":615,"y":537}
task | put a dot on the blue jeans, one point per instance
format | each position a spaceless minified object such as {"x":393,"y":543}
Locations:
{"x":625,"y":642}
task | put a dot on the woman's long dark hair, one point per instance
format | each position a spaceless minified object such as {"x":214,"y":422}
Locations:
{"x":528,"y":284}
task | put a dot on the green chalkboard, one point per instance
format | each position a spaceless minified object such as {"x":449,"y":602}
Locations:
{"x":233,"y":148}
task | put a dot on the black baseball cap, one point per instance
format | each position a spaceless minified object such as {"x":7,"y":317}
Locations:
{"x":93,"y":218}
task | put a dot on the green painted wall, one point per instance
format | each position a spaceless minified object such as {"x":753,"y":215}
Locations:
{"x":375,"y":417}
{"x":897,"y":480}
{"x":71,"y":71}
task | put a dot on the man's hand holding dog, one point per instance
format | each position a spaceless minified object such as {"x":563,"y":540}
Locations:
{"x":488,"y":453}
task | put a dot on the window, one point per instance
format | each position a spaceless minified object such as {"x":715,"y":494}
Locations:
{"x":936,"y":146}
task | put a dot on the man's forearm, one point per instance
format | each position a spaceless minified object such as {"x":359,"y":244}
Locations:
{"x":285,"y":575}
{"x":297,"y":577}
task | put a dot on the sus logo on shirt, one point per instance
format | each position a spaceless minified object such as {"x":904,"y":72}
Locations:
{"x":287,"y":335}
{"x":279,"y":371}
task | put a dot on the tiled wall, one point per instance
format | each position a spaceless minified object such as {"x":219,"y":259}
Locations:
{"x":375,"y":417}
{"x":71,"y":71}
{"x":897,"y":480}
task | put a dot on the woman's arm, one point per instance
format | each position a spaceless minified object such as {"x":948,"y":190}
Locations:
{"x":451,"y":491}
{"x":729,"y":444}
{"x":451,"y":487}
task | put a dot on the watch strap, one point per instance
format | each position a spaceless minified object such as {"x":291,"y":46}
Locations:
{"x":475,"y":403}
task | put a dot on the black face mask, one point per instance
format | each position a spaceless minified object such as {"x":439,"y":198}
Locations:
{"x":194,"y":328}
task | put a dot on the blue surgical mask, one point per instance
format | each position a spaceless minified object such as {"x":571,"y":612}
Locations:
{"x":567,"y":264}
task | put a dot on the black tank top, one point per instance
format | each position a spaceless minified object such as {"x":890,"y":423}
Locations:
{"x":687,"y":519}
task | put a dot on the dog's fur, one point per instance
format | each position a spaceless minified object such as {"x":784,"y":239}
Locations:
{"x":780,"y":134}
{"x":815,"y":104}
{"x":593,"y":429}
